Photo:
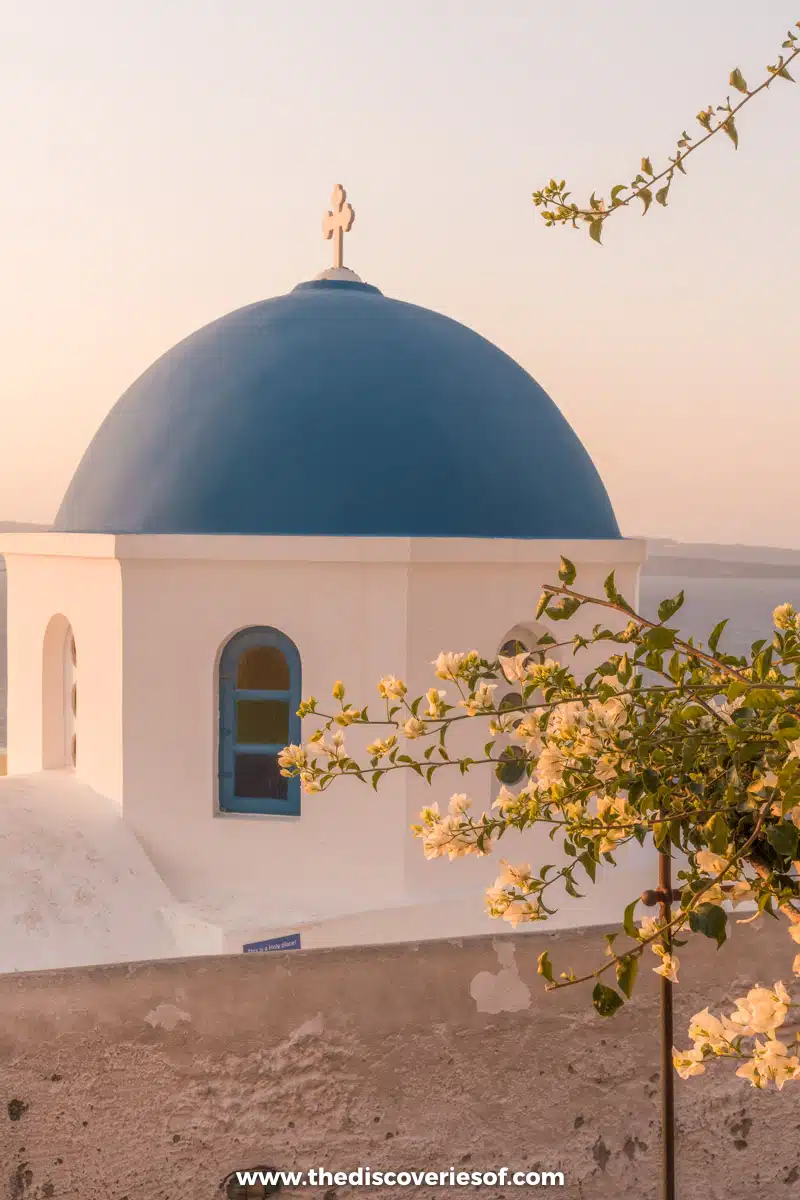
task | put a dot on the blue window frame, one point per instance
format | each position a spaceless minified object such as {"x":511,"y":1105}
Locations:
{"x":259,"y":695}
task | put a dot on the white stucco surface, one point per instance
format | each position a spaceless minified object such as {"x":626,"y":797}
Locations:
{"x":151,"y":616}
{"x":75,"y":885}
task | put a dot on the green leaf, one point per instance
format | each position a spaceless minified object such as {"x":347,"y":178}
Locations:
{"x":737,"y":80}
{"x":660,"y":833}
{"x":567,"y":572}
{"x":545,"y":967}
{"x":651,"y":780}
{"x":613,"y":595}
{"x":729,"y":127}
{"x":646,"y":197}
{"x":564,"y":608}
{"x":716,"y":633}
{"x":615,"y":191}
{"x":660,"y":638}
{"x":668,"y":608}
{"x":628,"y":923}
{"x":596,"y":230}
{"x":710,"y":920}
{"x":626,"y":973}
{"x":606,"y":1001}
{"x":544,"y":600}
{"x":647,"y":166}
{"x":588,"y":861}
{"x":610,"y":587}
{"x":717,"y":833}
{"x":689,"y":753}
{"x":783,"y":838}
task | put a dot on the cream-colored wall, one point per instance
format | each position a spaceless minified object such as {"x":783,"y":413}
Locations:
{"x":464,"y":606}
{"x":158,"y":1079}
{"x":347,"y":620}
{"x":151,"y":616}
{"x":85,"y":591}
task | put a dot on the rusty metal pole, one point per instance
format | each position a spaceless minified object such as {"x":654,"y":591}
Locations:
{"x":667,"y":1039}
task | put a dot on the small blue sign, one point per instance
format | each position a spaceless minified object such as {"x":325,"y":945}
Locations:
{"x":290,"y":941}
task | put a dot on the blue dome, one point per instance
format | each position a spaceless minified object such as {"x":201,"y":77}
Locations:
{"x":335,"y":411}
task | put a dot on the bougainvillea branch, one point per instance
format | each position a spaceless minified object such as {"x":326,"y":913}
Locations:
{"x":665,"y":743}
{"x":558,"y":209}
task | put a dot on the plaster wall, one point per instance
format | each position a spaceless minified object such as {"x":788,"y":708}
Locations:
{"x":348,"y":621}
{"x":84,"y":592}
{"x":76,"y":887}
{"x":157,"y":1080}
{"x":464,"y":606}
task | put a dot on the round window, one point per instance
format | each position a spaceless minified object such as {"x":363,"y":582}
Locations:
{"x":511,"y":765}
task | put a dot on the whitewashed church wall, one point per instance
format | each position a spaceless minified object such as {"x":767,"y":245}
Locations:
{"x":348,"y":621}
{"x":86,"y":593}
{"x":464,"y":607}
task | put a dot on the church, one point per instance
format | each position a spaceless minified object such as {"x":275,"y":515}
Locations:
{"x":330,"y":484}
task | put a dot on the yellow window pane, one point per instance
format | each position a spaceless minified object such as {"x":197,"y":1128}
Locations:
{"x":264,"y":669}
{"x":262,"y":722}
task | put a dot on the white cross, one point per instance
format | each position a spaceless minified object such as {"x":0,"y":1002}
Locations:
{"x":337,"y":223}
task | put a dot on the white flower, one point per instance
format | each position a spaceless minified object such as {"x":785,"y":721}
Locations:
{"x":391,"y":688}
{"x":751,"y":1071}
{"x":771,"y":1061}
{"x":550,"y":766}
{"x":414,"y":728}
{"x":541,"y":672}
{"x":760,"y":1011}
{"x":688,"y":1062}
{"x":710,"y":863}
{"x":450,"y":664}
{"x":379,"y":748}
{"x":527,"y":730}
{"x":292,"y":758}
{"x":784,"y":617}
{"x":648,"y":927}
{"x":436,"y":700}
{"x":604,"y":769}
{"x":459,"y":803}
{"x":509,"y":876}
{"x":514,"y":668}
{"x":519,"y":911}
{"x":310,"y":782}
{"x":334,"y":749}
{"x":668,"y":967}
{"x":708,"y":1030}
{"x":481,"y":699}
{"x":505,"y":799}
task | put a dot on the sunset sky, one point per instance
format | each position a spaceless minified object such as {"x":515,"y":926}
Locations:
{"x":166,"y":161}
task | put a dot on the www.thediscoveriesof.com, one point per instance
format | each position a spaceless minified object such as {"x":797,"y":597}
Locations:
{"x":366,"y":1177}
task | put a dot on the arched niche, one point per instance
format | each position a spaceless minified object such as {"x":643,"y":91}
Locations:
{"x":59,"y":695}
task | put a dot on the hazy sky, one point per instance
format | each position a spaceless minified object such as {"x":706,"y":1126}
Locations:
{"x":165,"y":161}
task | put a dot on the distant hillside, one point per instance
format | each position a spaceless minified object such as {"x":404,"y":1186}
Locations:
{"x":701,"y":560}
{"x":21,"y":527}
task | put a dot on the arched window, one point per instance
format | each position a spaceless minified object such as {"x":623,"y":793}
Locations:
{"x":259,"y":694}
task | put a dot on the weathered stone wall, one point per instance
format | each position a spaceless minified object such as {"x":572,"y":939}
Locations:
{"x":153,"y":1081}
